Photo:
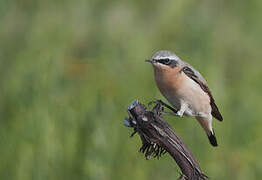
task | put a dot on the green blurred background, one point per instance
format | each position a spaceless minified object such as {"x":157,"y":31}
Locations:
{"x":69,"y":69}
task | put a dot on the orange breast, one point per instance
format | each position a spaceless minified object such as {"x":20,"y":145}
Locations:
{"x":177,"y":87}
{"x":168,"y":79}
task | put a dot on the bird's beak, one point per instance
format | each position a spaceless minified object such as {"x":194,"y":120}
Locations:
{"x":150,"y":60}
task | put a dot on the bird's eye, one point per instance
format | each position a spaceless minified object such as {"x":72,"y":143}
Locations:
{"x":165,"y":61}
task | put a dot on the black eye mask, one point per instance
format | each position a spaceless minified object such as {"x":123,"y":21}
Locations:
{"x":164,"y":61}
{"x":168,"y":62}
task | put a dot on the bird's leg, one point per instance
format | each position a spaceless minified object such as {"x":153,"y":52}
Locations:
{"x":182,"y":109}
{"x":171,"y":113}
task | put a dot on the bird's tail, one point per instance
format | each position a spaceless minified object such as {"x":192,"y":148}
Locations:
{"x":212,"y":138}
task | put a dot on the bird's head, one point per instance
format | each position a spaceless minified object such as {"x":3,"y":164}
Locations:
{"x":164,"y":59}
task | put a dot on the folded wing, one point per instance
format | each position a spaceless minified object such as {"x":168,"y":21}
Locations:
{"x":195,"y":76}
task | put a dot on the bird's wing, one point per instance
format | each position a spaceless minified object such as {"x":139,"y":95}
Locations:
{"x":196,"y":76}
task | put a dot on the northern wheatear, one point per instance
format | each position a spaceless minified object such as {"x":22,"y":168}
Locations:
{"x":186,"y":90}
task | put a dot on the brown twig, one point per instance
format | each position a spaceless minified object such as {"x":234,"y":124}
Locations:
{"x":158,"y":138}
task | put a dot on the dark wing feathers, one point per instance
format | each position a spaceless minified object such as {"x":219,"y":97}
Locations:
{"x":190,"y":73}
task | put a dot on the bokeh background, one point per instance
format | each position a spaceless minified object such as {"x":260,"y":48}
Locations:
{"x":69,"y":69}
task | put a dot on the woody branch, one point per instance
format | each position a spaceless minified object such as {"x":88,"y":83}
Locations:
{"x":158,"y":138}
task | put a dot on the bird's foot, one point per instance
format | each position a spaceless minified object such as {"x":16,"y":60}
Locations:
{"x":156,"y":102}
{"x":159,"y":107}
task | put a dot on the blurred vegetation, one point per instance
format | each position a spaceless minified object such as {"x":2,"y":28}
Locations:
{"x":69,"y":69}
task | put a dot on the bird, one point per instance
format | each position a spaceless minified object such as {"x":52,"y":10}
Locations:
{"x":186,"y":90}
